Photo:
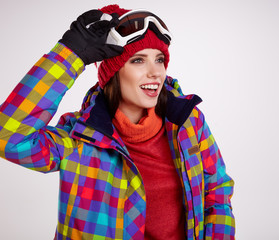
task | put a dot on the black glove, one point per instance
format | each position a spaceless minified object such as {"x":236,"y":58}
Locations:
{"x":87,"y":37}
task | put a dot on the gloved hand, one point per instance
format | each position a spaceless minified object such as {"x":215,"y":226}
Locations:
{"x":87,"y":37}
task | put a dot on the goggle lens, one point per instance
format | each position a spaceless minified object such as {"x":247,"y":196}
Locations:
{"x":135,"y":22}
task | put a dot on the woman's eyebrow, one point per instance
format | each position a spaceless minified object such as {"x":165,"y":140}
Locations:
{"x":140,"y":55}
{"x":160,"y":54}
{"x":145,"y":55}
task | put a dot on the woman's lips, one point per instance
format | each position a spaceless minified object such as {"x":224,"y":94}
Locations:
{"x":150,"y":89}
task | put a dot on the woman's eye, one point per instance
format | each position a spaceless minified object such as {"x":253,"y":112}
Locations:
{"x":161,"y":60}
{"x":137,"y":60}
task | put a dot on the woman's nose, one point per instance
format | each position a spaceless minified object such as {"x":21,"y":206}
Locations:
{"x":153,"y":70}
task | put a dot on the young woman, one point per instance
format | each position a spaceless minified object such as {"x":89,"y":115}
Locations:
{"x":138,"y":161}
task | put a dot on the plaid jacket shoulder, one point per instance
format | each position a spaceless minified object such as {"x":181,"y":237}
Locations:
{"x":208,"y":188}
{"x":218,"y":185}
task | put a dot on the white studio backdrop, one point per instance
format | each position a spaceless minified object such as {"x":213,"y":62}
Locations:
{"x":226,"y":51}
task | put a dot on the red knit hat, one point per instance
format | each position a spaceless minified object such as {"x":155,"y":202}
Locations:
{"x":109,"y":67}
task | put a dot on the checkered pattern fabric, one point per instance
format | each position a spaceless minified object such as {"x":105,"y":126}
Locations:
{"x":102,"y":195}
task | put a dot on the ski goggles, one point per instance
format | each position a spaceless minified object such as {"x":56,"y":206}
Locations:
{"x":133,"y":25}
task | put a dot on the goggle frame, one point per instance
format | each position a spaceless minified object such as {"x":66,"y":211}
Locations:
{"x":115,"y":38}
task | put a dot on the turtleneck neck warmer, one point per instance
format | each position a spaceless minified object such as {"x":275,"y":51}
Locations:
{"x":147,"y":127}
{"x":148,"y":146}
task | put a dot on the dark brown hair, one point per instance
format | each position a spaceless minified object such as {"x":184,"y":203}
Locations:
{"x":113,"y":97}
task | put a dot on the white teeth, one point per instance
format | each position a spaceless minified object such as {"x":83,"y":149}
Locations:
{"x":149,"y":86}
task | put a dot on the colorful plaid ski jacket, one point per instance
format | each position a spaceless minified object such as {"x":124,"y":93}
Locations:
{"x":102,"y":195}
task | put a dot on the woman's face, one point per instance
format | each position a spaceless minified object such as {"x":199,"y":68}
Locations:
{"x":141,"y":81}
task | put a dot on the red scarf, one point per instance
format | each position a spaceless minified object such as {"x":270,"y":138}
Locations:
{"x":147,"y":127}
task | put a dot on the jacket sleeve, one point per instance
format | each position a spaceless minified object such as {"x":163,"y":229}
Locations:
{"x":25,"y":138}
{"x":219,"y":219}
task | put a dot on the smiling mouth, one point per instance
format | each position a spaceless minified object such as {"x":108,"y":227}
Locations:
{"x":150,"y":87}
{"x":151,"y":90}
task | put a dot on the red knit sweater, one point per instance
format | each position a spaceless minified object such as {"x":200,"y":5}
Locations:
{"x":148,"y":146}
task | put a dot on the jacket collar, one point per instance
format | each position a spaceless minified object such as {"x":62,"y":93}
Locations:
{"x":180,"y":108}
{"x":99,"y":117}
